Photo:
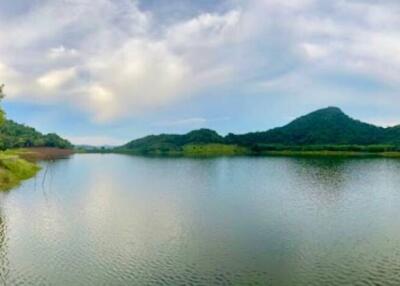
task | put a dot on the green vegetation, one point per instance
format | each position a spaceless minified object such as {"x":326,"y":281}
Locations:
{"x":329,"y":126}
{"x":326,"y":131}
{"x":214,"y":150}
{"x":166,"y":144}
{"x":14,"y":135}
{"x":13,"y":170}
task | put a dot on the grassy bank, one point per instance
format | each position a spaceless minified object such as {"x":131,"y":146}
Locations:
{"x":17,"y":165}
{"x":14,"y":169}
{"x":214,"y":150}
{"x":189,"y":150}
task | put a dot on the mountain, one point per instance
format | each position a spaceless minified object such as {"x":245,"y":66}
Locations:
{"x":169,"y":143}
{"x":392,"y":135}
{"x":325,"y":126}
{"x":325,"y":129}
{"x":14,"y":135}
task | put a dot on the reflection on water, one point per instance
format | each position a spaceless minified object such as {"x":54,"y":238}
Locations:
{"x":4,"y":263}
{"x":122,"y":220}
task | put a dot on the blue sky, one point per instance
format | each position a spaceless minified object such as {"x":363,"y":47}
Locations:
{"x":108,"y":71}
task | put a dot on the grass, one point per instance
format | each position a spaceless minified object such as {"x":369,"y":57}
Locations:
{"x":42,"y":153}
{"x":14,"y":169}
{"x":213,"y":150}
{"x":189,"y":150}
{"x":209,"y":150}
{"x":17,"y":165}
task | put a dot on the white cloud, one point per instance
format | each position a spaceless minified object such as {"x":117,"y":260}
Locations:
{"x":62,"y":52}
{"x":140,"y":75}
{"x":111,"y":59}
{"x":314,"y":52}
{"x":56,"y":79}
{"x":204,"y":31}
{"x":10,"y":76}
{"x":123,"y":68}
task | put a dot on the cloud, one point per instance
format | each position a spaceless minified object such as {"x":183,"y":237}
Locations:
{"x":205,"y":30}
{"x":105,"y":58}
{"x":54,"y":80}
{"x":7,"y":74}
{"x":62,"y":52}
{"x":314,"y":52}
{"x":140,"y":75}
{"x":111,"y":59}
{"x":353,"y":36}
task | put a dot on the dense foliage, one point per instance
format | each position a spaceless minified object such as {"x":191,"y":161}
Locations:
{"x":14,"y":135}
{"x":325,"y":126}
{"x":326,"y":129}
{"x":166,"y":143}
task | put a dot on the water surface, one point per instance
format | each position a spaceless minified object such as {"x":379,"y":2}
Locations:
{"x":124,"y":220}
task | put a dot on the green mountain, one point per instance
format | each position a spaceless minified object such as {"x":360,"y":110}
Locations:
{"x":14,"y":135}
{"x":325,"y":129}
{"x":392,"y":135}
{"x":325,"y":126}
{"x":169,"y":143}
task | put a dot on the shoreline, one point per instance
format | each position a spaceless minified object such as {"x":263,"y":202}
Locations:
{"x":281,"y":153}
{"x":14,"y":169}
{"x":220,"y":149}
{"x":343,"y":154}
{"x":17,"y":165}
{"x":43,"y":153}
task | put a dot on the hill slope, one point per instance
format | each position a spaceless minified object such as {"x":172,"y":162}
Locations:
{"x":325,"y":126}
{"x":14,"y":135}
{"x":318,"y":130}
{"x":392,"y":135}
{"x":168,"y":143}
{"x":14,"y":167}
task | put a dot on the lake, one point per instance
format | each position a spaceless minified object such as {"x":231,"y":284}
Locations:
{"x":122,"y":220}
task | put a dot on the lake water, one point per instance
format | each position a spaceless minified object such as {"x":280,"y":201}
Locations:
{"x":125,"y":220}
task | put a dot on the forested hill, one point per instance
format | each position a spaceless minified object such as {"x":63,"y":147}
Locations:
{"x":325,"y":126}
{"x":14,"y":135}
{"x":321,"y":129}
{"x":170,"y":143}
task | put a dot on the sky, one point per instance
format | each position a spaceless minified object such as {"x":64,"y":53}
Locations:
{"x":109,"y":71}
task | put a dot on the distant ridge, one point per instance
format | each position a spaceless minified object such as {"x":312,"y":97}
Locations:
{"x":173,"y":143}
{"x":323,"y":127}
